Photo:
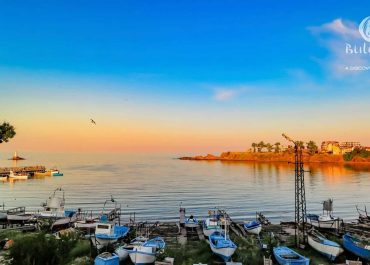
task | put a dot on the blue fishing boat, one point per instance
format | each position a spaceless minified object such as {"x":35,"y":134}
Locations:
{"x":222,"y":245}
{"x":286,"y":256}
{"x":191,"y":222}
{"x":253,"y":227}
{"x":106,"y":258}
{"x":356,"y":246}
{"x":107,"y":233}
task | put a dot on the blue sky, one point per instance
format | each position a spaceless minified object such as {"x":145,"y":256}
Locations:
{"x":222,"y":57}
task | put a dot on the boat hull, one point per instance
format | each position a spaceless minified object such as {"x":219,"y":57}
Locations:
{"x":104,"y":241}
{"x":330,"y":251}
{"x":253,"y":228}
{"x":224,"y":253}
{"x":122,"y":253}
{"x":351,"y":246}
{"x":142,"y":255}
{"x":280,"y":254}
{"x":209,"y":231}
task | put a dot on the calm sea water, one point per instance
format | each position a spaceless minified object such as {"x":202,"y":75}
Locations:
{"x":153,"y":186}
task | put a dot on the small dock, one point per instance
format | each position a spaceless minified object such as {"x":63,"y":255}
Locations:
{"x":5,"y":171}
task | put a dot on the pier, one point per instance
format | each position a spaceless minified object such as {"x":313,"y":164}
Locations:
{"x":5,"y":171}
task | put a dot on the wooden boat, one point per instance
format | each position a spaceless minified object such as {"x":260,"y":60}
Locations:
{"x":326,"y":247}
{"x":106,"y":258}
{"x":146,"y":253}
{"x":22,"y":175}
{"x":222,"y":245}
{"x":253,"y":227}
{"x":286,"y":256}
{"x":42,"y":174}
{"x":356,"y":246}
{"x":191,"y":222}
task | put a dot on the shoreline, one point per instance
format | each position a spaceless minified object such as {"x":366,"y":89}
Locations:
{"x":277,"y":157}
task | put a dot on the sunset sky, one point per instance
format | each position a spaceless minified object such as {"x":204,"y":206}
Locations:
{"x":180,"y":76}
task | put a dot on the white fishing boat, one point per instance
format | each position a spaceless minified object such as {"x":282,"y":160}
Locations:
{"x":326,"y":247}
{"x":146,"y":253}
{"x":108,"y":233}
{"x":54,"y":206}
{"x":21,"y":175}
{"x":123,"y":250}
{"x":253,"y":227}
{"x":211,"y":224}
{"x":191,"y":222}
{"x":326,"y":220}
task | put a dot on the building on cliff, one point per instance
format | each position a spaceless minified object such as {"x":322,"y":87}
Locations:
{"x":336,"y":148}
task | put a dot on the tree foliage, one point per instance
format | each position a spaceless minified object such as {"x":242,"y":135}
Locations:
{"x":312,"y":147}
{"x":7,"y":132}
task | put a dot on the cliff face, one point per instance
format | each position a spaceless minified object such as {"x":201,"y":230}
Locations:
{"x":276,"y":157}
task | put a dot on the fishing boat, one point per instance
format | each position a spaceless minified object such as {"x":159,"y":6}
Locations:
{"x":3,"y":178}
{"x":146,"y":253}
{"x":191,"y":222}
{"x":286,"y":256}
{"x":123,"y":250}
{"x":326,"y":220}
{"x":19,"y":218}
{"x":106,"y":258}
{"x":21,"y":175}
{"x":56,"y":173}
{"x":42,"y":174}
{"x":356,"y":246}
{"x":107,"y":233}
{"x":222,"y":245}
{"x":253,"y":227}
{"x":54,"y":206}
{"x":326,"y":247}
{"x":3,"y":216}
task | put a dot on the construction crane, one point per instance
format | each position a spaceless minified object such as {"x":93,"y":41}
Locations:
{"x":300,"y":193}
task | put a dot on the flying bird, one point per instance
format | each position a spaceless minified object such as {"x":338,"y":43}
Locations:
{"x":92,"y":121}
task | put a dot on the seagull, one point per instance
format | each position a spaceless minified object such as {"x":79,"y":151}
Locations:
{"x":92,"y":121}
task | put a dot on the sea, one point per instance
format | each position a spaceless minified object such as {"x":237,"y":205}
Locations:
{"x":152,"y":187}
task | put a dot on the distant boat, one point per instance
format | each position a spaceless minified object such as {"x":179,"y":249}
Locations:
{"x":286,"y":256}
{"x":56,"y":173}
{"x":326,"y":247}
{"x":3,"y":178}
{"x":191,"y":222}
{"x":253,"y":227}
{"x":19,"y":218}
{"x":21,"y":175}
{"x":106,"y":258}
{"x":356,"y":246}
{"x":146,"y":253}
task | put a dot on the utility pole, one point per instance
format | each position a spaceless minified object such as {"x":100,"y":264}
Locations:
{"x":300,"y":194}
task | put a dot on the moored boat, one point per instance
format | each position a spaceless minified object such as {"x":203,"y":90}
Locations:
{"x":54,"y":206}
{"x":56,"y":173}
{"x":3,"y":178}
{"x":21,"y":175}
{"x":19,"y":218}
{"x":321,"y":244}
{"x":191,"y":222}
{"x":356,"y":246}
{"x":3,"y":216}
{"x":253,"y":227}
{"x":287,"y":256}
{"x":326,"y":220}
{"x":146,"y":253}
{"x":107,"y":233}
{"x":222,"y":245}
{"x":106,"y":258}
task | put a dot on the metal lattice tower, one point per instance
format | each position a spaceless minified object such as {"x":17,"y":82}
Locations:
{"x":300,"y":194}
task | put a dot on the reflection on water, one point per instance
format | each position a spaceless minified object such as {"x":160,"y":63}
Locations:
{"x":154,"y":185}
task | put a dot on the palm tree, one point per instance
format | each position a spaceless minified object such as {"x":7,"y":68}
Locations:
{"x":300,"y":144}
{"x":277,"y":147}
{"x":269,"y":147}
{"x":260,"y":146}
{"x":254,"y":145}
{"x":6,"y":132}
{"x":312,"y":147}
